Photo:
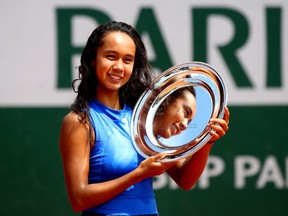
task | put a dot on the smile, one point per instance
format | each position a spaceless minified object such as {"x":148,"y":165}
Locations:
{"x":115,"y":77}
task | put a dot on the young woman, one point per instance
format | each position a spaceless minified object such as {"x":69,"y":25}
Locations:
{"x":104,"y":175}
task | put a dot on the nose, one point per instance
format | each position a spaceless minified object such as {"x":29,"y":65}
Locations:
{"x":118,"y":66}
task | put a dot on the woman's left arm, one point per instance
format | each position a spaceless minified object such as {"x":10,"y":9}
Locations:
{"x":187,"y":171}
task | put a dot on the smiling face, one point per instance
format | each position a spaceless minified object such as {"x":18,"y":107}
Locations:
{"x":114,"y":62}
{"x":176,"y":116}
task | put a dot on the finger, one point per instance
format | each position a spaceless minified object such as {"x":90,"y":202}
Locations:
{"x":223,"y":123}
{"x":159,"y":156}
{"x":226,"y":115}
{"x":214,"y":136}
{"x":218,"y":124}
{"x":217,"y":130}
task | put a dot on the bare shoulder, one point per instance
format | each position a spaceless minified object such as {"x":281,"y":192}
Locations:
{"x":74,"y":133}
{"x":72,"y":122}
{"x":71,"y":118}
{"x":72,"y":126}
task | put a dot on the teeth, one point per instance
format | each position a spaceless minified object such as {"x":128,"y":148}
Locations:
{"x":115,"y":77}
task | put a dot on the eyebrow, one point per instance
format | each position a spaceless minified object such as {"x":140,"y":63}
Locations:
{"x":115,"y":52}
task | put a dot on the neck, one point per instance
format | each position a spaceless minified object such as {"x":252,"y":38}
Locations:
{"x":110,"y":100}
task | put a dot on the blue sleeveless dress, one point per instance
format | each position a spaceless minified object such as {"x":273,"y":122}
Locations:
{"x":112,"y":156}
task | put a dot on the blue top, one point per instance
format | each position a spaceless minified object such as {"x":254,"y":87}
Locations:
{"x":112,"y":156}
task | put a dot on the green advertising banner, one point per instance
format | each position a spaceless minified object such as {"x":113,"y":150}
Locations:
{"x":247,"y":171}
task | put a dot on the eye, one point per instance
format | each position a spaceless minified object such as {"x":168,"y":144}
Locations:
{"x":185,"y":113}
{"x":111,"y":57}
{"x":129,"y":60}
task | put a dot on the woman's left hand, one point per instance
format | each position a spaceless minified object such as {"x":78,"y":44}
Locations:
{"x":219,"y":126}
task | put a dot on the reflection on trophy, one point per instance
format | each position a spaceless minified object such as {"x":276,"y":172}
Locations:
{"x":173,"y":113}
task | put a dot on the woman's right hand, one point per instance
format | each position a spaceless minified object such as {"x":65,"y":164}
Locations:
{"x":153,"y":166}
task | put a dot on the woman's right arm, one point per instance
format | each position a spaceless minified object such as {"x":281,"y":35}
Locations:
{"x":75,"y":151}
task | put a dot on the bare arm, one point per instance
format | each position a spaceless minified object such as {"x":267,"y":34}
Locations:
{"x":187,"y":171}
{"x":75,"y":151}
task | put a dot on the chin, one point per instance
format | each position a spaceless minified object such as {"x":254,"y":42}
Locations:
{"x":167,"y":135}
{"x":164,"y":133}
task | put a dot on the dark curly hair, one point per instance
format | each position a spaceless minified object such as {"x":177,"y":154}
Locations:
{"x":142,"y":74}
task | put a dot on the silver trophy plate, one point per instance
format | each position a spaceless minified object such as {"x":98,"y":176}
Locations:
{"x":153,"y":111}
